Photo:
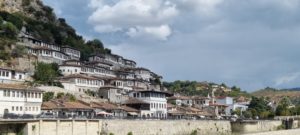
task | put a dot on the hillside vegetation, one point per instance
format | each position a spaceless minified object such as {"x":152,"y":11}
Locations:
{"x":191,"y":88}
{"x":277,"y":95}
{"x":41,"y":22}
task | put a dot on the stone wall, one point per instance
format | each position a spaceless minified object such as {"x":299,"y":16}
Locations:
{"x":166,"y":127}
{"x":123,"y":127}
{"x":63,"y":127}
{"x":255,"y":126}
{"x":143,"y":127}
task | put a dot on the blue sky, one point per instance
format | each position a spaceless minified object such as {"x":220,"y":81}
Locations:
{"x":249,"y":43}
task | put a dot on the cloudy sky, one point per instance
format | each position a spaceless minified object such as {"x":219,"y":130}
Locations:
{"x":249,"y":43}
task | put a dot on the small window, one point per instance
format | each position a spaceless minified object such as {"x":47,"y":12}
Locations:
{"x":13,"y":108}
{"x":13,"y":94}
{"x":17,"y":108}
{"x":21,"y":108}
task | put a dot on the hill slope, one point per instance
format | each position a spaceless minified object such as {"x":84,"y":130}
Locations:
{"x":41,"y":23}
{"x":277,"y":95}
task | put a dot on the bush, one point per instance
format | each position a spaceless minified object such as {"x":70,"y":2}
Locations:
{"x":9,"y":29}
{"x":47,"y":96}
{"x":194,"y":132}
{"x":60,"y":95}
{"x":130,"y":133}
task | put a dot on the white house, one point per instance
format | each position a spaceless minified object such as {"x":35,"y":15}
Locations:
{"x":79,"y":83}
{"x":76,"y":67}
{"x":117,"y":61}
{"x":48,"y":55}
{"x":72,"y":52}
{"x":201,"y":101}
{"x":113,"y":94}
{"x":8,"y":75}
{"x":20,"y":99}
{"x":228,"y":101}
{"x":181,"y":100}
{"x":156,"y":103}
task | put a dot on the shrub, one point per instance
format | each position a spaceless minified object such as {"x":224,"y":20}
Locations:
{"x":194,"y":132}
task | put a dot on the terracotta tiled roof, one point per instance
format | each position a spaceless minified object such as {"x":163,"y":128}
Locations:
{"x":105,"y":106}
{"x":135,"y":101}
{"x":79,"y":76}
{"x":64,"y":105}
{"x":179,"y":97}
{"x":129,"y":109}
{"x":18,"y":87}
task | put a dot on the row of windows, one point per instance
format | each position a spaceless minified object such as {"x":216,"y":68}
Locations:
{"x":71,"y":51}
{"x":20,"y":108}
{"x":157,"y":95}
{"x":158,"y":105}
{"x":89,"y":70}
{"x":89,"y":82}
{"x":9,"y":93}
{"x":4,"y":73}
{"x":59,"y":55}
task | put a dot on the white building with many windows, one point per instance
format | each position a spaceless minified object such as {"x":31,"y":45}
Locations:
{"x":8,"y":75}
{"x":20,"y":100}
{"x":70,"y":67}
{"x":79,"y":83}
{"x":156,"y":106}
{"x":72,"y":52}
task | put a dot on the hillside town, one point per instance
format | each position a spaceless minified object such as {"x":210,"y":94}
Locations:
{"x":105,"y":86}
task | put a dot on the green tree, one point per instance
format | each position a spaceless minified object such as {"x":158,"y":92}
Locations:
{"x":9,"y":30}
{"x":259,"y":107}
{"x":46,"y":73}
{"x":283,"y":107}
{"x":47,"y":96}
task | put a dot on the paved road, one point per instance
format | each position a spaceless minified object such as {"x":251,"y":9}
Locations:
{"x":281,"y":132}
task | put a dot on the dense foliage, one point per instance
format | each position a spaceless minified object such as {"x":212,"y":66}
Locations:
{"x":259,"y":108}
{"x":46,"y":27}
{"x":46,"y":74}
{"x":191,"y":88}
{"x":47,"y":96}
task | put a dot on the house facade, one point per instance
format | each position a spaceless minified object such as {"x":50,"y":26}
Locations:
{"x":72,"y":52}
{"x":20,"y":100}
{"x":8,"y":75}
{"x":79,"y":83}
{"x":155,"y":103}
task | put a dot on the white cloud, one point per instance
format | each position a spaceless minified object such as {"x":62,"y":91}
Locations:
{"x":160,"y":32}
{"x":135,"y":17}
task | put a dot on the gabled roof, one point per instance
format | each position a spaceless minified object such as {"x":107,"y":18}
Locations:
{"x":18,"y":87}
{"x":135,"y":101}
{"x":156,"y":91}
{"x":179,"y":97}
{"x":129,"y":109}
{"x":70,"y":48}
{"x":79,"y":76}
{"x":55,"y":104}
